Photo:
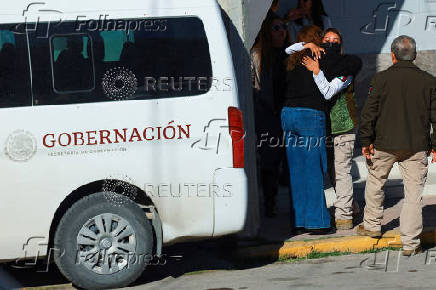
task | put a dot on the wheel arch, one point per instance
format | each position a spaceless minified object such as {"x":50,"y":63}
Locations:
{"x":141,"y":198}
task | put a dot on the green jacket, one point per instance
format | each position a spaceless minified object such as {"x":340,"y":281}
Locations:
{"x":343,"y":114}
{"x":399,"y":110}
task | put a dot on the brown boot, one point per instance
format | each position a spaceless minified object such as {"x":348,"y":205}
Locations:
{"x":361,"y":231}
{"x":415,"y":251}
{"x":344,"y":224}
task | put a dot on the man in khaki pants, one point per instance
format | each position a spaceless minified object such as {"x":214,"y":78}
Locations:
{"x":395,"y":127}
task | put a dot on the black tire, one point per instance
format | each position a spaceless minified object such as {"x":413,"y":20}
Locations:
{"x":92,"y":208}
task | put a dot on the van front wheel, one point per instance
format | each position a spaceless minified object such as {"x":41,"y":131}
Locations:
{"x":100,"y":244}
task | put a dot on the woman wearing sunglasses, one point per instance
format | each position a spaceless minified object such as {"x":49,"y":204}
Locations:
{"x":268,"y":71}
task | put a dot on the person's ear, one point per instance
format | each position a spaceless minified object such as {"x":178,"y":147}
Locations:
{"x":394,"y":58}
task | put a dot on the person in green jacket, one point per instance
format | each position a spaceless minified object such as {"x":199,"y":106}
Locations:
{"x":344,"y":122}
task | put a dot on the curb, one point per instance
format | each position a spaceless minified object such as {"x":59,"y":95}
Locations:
{"x":348,"y":244}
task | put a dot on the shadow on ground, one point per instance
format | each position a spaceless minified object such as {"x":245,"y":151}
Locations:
{"x":181,"y":259}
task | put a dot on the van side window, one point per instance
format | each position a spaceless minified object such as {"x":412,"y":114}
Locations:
{"x":167,"y":57}
{"x":124,"y":59}
{"x":72,"y":66}
{"x":14,"y":69}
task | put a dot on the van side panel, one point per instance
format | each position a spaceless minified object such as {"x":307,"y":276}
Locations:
{"x":177,"y":174}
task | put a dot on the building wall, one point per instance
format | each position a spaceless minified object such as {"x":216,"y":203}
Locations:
{"x":370,"y":26}
{"x":243,"y":20}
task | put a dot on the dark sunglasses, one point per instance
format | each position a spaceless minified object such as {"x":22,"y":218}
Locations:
{"x":279,"y":27}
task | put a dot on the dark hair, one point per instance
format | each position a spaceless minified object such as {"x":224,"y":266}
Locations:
{"x":338,"y":33}
{"x":318,"y":12}
{"x":309,"y":33}
{"x":264,"y":39}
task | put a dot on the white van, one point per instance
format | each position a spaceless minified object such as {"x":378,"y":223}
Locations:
{"x":120,"y":132}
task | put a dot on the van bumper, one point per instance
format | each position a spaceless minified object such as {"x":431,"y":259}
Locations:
{"x":230,"y":200}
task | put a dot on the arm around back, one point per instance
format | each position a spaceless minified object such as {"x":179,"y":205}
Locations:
{"x":349,"y":64}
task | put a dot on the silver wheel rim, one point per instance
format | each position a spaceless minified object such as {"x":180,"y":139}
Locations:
{"x":106,"y":243}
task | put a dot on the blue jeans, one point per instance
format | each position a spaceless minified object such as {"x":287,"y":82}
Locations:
{"x":305,"y":131}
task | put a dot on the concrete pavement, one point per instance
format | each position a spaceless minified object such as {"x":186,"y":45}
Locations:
{"x":344,"y":272}
{"x":278,"y":242}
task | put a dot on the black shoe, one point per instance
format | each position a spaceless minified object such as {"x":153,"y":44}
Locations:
{"x":324,"y":231}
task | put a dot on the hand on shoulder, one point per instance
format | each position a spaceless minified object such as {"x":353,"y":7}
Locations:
{"x":315,"y":49}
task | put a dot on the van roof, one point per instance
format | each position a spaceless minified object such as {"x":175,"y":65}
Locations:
{"x":21,"y":7}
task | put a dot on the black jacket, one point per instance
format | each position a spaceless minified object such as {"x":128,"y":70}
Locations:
{"x":399,"y":110}
{"x":302,"y":90}
{"x":334,"y":65}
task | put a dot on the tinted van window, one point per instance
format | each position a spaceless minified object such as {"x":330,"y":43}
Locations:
{"x":14,"y":69}
{"x":121,"y":60}
{"x":72,"y":66}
